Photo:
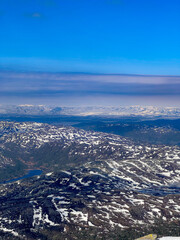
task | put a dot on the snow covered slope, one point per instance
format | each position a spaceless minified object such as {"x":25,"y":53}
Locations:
{"x":91,"y":180}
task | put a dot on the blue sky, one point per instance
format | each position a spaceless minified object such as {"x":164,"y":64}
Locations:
{"x":100,"y":36}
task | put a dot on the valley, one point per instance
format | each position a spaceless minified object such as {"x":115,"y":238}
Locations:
{"x":92,"y":183}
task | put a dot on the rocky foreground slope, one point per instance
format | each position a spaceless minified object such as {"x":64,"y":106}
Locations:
{"x":92,"y":182}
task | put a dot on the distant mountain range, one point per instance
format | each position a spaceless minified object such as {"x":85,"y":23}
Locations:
{"x":121,"y":111}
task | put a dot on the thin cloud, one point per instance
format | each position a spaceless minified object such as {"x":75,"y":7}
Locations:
{"x":34,"y":15}
{"x":56,"y":84}
{"x":115,"y":2}
{"x":49,"y":3}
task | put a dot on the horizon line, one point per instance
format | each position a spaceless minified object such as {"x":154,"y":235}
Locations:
{"x":86,"y":73}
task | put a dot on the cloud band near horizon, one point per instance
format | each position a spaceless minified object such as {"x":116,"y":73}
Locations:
{"x":33,"y":84}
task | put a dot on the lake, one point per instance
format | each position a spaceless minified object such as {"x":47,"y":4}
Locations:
{"x":30,"y":173}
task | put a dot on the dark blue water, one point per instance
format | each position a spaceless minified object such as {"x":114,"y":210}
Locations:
{"x":31,"y":173}
{"x":160,"y":191}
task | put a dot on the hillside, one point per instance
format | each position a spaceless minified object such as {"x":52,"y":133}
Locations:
{"x":92,"y":183}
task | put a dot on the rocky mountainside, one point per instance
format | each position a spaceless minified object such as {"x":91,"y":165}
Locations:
{"x":91,"y":182}
{"x":29,"y":139}
{"x":77,"y":200}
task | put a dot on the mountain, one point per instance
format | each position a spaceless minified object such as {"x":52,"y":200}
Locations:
{"x":161,"y":131}
{"x":101,"y":111}
{"x":51,"y":147}
{"x":94,"y":185}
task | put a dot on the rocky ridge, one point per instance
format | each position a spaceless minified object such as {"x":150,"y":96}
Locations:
{"x":111,"y":183}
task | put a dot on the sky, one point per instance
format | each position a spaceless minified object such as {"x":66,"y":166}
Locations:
{"x":76,"y":51}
